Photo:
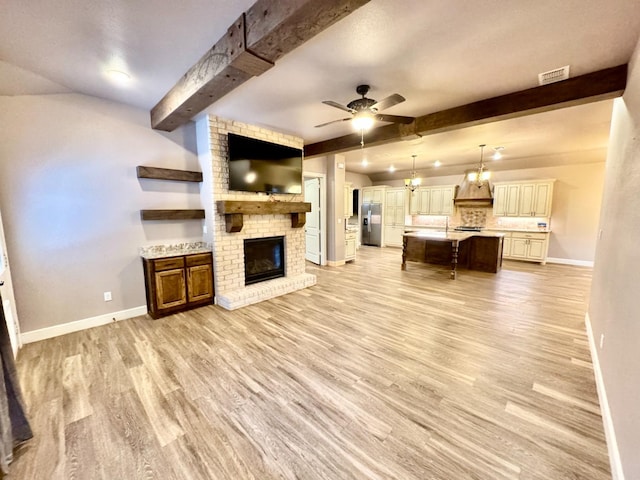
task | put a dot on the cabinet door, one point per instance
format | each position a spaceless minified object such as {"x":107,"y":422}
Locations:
{"x":378,"y":195}
{"x":527,"y":199}
{"x":200,"y":283}
{"x":542,"y":200}
{"x":170,"y":288}
{"x":398,"y":215}
{"x":350,"y":249}
{"x":536,"y":249}
{"x":505,"y":200}
{"x":393,"y":236}
{"x":425,"y":201}
{"x":447,"y":200}
{"x":435,"y":206}
{"x":367,"y":195}
{"x":414,"y":202}
{"x":506,"y":247}
{"x":518,"y":247}
{"x":348,"y":201}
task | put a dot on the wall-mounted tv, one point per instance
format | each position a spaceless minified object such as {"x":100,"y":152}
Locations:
{"x":259,"y":166}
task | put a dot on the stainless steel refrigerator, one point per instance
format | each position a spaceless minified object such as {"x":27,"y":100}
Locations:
{"x":371,"y":224}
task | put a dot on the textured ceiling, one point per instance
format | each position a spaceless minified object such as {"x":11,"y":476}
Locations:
{"x":437,"y":54}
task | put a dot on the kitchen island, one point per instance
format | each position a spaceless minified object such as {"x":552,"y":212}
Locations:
{"x":472,"y":250}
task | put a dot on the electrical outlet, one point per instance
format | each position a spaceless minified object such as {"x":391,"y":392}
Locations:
{"x":601,"y":340}
{"x":600,"y":234}
{"x":204,"y":229}
{"x":107,"y":296}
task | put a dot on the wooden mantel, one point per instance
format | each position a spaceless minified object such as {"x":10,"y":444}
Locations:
{"x":233,"y":211}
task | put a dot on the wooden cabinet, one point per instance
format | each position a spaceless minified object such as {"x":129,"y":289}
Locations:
{"x":348,"y":200}
{"x":523,"y":199}
{"x":350,"y":246}
{"x":174,"y":284}
{"x":394,"y":216}
{"x":432,"y":200}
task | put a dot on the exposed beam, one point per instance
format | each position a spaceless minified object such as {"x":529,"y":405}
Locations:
{"x":262,"y":35}
{"x":591,"y":87}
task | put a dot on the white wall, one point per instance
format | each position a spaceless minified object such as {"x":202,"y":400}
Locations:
{"x":613,"y":309}
{"x":70,"y":200}
{"x":577,"y":196}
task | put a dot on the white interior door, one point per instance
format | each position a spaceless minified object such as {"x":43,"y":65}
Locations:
{"x":8,"y":301}
{"x":313,"y":233}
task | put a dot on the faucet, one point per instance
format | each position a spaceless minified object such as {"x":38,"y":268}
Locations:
{"x":446,"y":224}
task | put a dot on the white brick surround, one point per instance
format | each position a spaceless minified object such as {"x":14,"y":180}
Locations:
{"x":228,"y":248}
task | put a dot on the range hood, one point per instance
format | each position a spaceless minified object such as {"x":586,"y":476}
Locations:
{"x":473,"y":194}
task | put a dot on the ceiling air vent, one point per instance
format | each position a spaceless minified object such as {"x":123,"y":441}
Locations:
{"x":555,"y":75}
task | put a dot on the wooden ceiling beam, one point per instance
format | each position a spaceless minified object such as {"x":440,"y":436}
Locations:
{"x":591,"y":87}
{"x":262,"y":35}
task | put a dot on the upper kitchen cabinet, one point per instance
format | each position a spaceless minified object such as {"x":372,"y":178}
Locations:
{"x":432,"y":200}
{"x":373,"y":194}
{"x":348,"y":200}
{"x":523,"y":199}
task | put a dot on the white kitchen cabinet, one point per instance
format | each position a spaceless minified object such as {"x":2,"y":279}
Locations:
{"x":350,"y":246}
{"x":348,"y":200}
{"x":532,"y":247}
{"x":394,"y":216}
{"x":523,"y":199}
{"x":393,"y":235}
{"x":373,"y":194}
{"x":506,"y":246}
{"x":432,"y":200}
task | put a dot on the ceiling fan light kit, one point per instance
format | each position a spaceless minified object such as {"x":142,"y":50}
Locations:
{"x":365,"y":111}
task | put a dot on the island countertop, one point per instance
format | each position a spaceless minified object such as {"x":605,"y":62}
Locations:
{"x":451,"y":235}
{"x":473,"y":250}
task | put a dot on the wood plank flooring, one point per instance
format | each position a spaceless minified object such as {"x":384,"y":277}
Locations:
{"x":374,"y":373}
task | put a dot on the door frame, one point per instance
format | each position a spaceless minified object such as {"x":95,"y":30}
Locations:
{"x":323,"y":211}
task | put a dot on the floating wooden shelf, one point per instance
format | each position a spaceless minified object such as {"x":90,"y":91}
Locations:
{"x":168,"y":174}
{"x":233,"y":211}
{"x":171,"y":214}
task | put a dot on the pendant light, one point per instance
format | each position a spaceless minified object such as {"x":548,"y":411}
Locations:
{"x":480,"y":175}
{"x":413,"y":182}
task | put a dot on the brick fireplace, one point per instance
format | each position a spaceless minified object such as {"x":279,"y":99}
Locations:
{"x":229,"y":248}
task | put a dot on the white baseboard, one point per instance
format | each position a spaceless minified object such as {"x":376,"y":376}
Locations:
{"x":609,"y":431}
{"x":332,"y":263}
{"x":569,"y":261}
{"x":57,"y":330}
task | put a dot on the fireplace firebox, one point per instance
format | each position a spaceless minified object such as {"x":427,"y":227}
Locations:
{"x":264,"y":259}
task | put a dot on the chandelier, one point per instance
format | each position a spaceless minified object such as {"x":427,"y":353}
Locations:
{"x":480,"y":175}
{"x":413,"y":182}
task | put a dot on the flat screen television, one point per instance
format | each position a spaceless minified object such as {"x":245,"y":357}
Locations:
{"x":259,"y":166}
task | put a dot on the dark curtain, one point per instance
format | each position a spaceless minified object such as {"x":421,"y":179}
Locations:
{"x":14,"y":426}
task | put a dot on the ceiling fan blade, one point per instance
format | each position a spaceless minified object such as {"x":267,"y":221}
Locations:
{"x":394,"y":118}
{"x":337,"y":105}
{"x":390,"y":101}
{"x":334,"y":121}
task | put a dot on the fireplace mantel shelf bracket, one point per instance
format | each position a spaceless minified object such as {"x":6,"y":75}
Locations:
{"x":233,"y":210}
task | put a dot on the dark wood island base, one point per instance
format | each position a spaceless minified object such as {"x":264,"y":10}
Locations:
{"x":474,"y":251}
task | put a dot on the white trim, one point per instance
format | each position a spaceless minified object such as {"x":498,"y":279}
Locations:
{"x":569,"y":261}
{"x":323,"y":212}
{"x":63,"y":329}
{"x":612,"y":445}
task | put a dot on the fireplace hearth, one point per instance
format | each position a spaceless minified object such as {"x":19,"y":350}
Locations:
{"x":264,"y":259}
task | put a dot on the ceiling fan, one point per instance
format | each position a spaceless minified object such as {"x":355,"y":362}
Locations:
{"x":365,"y":110}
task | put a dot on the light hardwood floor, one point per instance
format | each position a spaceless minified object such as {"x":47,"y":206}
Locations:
{"x":373,"y":373}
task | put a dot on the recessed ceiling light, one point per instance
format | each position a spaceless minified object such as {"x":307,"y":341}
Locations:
{"x":365,"y":162}
{"x":118,"y":76}
{"x":392,"y":169}
{"x":437,"y":163}
{"x":498,"y":154}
